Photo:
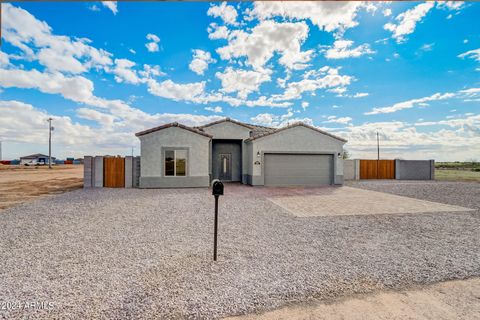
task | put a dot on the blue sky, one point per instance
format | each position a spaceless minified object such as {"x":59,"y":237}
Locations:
{"x":103,"y":71}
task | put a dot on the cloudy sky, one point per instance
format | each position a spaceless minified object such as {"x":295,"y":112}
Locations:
{"x":104,"y":71}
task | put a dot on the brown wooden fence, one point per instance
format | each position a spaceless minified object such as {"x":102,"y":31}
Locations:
{"x":114,"y":172}
{"x":377,"y":169}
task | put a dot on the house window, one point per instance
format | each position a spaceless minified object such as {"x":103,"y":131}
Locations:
{"x":176,"y":163}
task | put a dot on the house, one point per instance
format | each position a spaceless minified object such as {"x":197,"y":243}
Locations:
{"x":175,"y":155}
{"x":35,"y":159}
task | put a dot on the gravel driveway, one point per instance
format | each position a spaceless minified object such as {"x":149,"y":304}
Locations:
{"x":147,"y":253}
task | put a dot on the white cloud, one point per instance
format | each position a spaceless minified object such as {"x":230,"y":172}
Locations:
{"x":323,"y":78}
{"x":342,"y":49}
{"x":267,"y":38}
{"x":242,"y":81}
{"x":226,"y":12}
{"x":410,"y":103}
{"x":451,"y":5}
{"x":216,"y":32}
{"x":472,"y":54}
{"x":124,"y":73}
{"x":272,"y":120}
{"x":387,"y":12}
{"x":215,"y":110}
{"x":175,"y":91}
{"x":341,"y":120}
{"x":152,"y":46}
{"x":427,"y":47}
{"x":75,"y":88}
{"x":4,"y":59}
{"x":112,"y":5}
{"x":200,"y":61}
{"x":94,"y":7}
{"x":305,"y":105}
{"x":326,"y":15}
{"x":132,"y":51}
{"x":408,"y":20}
{"x":57,"y":53}
{"x":360,"y":95}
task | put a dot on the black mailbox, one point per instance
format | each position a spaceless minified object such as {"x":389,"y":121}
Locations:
{"x":217,"y":187}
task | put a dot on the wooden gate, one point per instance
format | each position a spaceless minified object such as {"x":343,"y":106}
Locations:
{"x":114,"y":172}
{"x":377,"y":169}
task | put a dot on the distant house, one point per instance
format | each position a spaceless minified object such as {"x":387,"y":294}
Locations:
{"x":35,"y":159}
{"x":175,"y":155}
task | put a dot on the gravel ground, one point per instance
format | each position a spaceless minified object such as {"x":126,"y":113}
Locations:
{"x":147,"y":253}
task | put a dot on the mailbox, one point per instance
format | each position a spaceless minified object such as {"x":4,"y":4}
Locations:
{"x":217,"y":188}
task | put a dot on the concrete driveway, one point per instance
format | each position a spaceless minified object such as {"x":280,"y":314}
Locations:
{"x":333,"y":201}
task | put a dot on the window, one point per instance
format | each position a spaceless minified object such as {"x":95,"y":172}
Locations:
{"x":176,"y":163}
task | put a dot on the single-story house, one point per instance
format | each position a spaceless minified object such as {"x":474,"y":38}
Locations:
{"x":35,"y":159}
{"x":175,"y":155}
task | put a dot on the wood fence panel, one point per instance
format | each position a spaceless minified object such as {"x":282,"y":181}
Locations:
{"x":386,"y":169}
{"x":114,"y":172}
{"x":377,"y":169}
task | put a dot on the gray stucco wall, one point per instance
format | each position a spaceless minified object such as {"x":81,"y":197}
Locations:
{"x":234,"y":147}
{"x":128,"y":172}
{"x":229,"y":130}
{"x":294,"y":140}
{"x":414,"y":169}
{"x":98,"y":172}
{"x":153,"y":146}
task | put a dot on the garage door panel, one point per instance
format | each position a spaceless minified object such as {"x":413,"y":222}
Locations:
{"x":298,"y":169}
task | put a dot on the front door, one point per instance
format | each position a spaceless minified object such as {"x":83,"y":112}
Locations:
{"x":225,"y":166}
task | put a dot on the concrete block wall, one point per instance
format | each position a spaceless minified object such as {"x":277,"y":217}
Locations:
{"x":414,"y":169}
{"x":351,"y":169}
{"x":136,"y":172}
{"x":88,"y":172}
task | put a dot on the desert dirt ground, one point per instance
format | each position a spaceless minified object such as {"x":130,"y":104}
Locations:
{"x":448,"y":300}
{"x":19,"y":184}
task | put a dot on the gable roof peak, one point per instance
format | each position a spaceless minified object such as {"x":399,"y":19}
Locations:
{"x":173,"y":124}
{"x":296,"y":124}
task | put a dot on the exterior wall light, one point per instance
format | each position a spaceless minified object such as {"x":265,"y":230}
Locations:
{"x":339,"y":154}
{"x":258,"y":154}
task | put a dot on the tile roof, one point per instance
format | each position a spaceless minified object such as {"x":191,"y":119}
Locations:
{"x":296,"y":124}
{"x":173,"y":124}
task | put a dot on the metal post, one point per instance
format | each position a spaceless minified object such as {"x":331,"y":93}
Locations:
{"x":49,"y":143}
{"x":215,"y":230}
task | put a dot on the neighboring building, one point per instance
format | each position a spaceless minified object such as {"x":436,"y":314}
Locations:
{"x":35,"y":159}
{"x":174,"y":155}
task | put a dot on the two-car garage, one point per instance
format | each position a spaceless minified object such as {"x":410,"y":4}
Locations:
{"x":283,"y":169}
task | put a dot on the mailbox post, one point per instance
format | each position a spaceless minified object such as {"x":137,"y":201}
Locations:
{"x":217,"y":191}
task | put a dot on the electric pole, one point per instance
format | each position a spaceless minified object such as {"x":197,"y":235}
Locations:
{"x":50,"y":128}
{"x":378,"y":148}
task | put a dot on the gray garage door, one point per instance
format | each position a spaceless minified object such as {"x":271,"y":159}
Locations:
{"x":298,"y":169}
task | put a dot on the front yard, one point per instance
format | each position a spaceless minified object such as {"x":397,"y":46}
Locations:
{"x":131,"y":253}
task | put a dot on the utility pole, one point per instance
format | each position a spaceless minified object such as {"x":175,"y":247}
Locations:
{"x":378,"y":148}
{"x":50,"y":128}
